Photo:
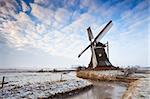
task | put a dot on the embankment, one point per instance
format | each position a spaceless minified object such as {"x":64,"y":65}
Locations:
{"x":112,"y":75}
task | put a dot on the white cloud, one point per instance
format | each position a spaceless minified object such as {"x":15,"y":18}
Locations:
{"x":62,"y":18}
{"x":24,"y":33}
{"x":8,"y":9}
{"x":45,"y":15}
{"x":25,"y":7}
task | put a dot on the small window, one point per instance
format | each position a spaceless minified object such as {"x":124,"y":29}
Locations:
{"x":100,"y":55}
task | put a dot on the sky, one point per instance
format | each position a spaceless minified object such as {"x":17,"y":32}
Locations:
{"x":51,"y":33}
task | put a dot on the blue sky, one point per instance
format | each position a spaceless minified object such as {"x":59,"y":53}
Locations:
{"x":51,"y":33}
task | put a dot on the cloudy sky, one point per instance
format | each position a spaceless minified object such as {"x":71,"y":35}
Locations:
{"x":51,"y":33}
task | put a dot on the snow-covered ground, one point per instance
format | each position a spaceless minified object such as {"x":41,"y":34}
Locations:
{"x":142,"y":89}
{"x":34,"y":85}
{"x":27,"y":77}
{"x":41,"y":90}
{"x":139,"y":89}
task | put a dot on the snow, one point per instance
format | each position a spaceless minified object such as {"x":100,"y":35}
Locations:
{"x":44,"y":89}
{"x":138,"y":89}
{"x":27,"y":77}
{"x":35,"y":85}
{"x":142,"y":90}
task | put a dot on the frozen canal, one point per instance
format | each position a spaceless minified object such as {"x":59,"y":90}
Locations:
{"x":101,"y":90}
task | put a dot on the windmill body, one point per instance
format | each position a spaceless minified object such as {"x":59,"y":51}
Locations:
{"x":99,"y":58}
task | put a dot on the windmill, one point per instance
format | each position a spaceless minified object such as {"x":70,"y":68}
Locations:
{"x":99,"y":56}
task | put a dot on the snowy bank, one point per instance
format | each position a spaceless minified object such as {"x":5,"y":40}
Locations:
{"x":139,"y":89}
{"x":42,"y":90}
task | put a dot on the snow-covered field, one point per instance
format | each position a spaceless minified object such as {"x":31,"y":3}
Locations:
{"x":41,"y":90}
{"x":27,"y":77}
{"x":34,"y":85}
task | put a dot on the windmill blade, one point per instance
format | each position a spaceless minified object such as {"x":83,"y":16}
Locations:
{"x":84,"y":50}
{"x":103,"y":32}
{"x":90,"y":34}
{"x":94,"y":59}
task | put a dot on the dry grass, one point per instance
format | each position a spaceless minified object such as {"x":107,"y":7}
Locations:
{"x":93,"y":76}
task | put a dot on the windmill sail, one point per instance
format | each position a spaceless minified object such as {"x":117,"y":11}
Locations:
{"x":94,"y":60}
{"x":90,"y":34}
{"x":84,"y":50}
{"x":103,"y":32}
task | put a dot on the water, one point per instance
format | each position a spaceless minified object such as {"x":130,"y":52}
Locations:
{"x":102,"y":90}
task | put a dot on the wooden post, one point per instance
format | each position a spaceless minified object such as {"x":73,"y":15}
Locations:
{"x":3,"y":81}
{"x":61,"y":78}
